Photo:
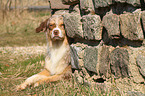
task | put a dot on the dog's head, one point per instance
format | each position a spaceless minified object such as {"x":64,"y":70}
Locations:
{"x":54,"y":27}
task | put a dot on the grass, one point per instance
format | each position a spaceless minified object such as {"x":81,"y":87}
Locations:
{"x":13,"y":74}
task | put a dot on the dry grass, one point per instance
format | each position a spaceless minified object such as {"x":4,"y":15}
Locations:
{"x":16,"y":64}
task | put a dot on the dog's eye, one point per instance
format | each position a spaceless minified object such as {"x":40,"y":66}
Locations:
{"x":62,"y":25}
{"x":51,"y":26}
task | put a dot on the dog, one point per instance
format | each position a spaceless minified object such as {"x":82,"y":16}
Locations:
{"x":58,"y":59}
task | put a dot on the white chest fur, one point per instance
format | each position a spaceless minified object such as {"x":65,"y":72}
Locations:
{"x":56,"y":62}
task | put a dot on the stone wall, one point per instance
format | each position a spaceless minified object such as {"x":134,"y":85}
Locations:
{"x":108,"y":41}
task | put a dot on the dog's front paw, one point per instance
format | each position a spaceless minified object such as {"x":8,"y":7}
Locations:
{"x":36,"y":84}
{"x":21,"y":87}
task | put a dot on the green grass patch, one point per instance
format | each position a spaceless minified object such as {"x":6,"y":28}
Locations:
{"x":30,"y":66}
{"x":13,"y":75}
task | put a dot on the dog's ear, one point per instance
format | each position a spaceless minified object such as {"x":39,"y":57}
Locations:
{"x":42,"y":27}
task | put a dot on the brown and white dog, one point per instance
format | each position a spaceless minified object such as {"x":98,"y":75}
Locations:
{"x":57,"y":62}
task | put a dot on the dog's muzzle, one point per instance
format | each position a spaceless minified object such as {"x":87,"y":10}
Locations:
{"x":56,"y":34}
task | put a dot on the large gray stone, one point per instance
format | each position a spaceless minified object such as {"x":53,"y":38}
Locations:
{"x":141,"y":64}
{"x":57,"y":4}
{"x":70,"y":2}
{"x":119,"y":60}
{"x":111,"y":23}
{"x":74,"y":57}
{"x":143,"y":19}
{"x":132,"y":2}
{"x":90,"y":58}
{"x":87,"y":6}
{"x":102,"y":3}
{"x":104,"y":62}
{"x":73,"y":25}
{"x":92,"y":27}
{"x":131,"y":27}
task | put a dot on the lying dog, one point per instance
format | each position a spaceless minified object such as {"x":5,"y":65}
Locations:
{"x":57,"y":62}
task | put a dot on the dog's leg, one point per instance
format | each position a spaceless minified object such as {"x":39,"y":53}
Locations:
{"x":64,"y":75}
{"x":33,"y":79}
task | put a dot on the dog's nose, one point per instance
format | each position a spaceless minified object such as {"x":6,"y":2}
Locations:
{"x":56,"y":32}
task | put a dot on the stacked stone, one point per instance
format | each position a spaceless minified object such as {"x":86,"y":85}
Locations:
{"x":108,"y":36}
